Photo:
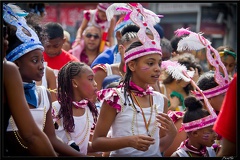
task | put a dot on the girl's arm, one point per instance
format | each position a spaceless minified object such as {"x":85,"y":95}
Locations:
{"x":103,"y":143}
{"x":80,"y":31}
{"x":60,"y":147}
{"x":111,"y":31}
{"x":37,"y":142}
{"x":168,"y":130}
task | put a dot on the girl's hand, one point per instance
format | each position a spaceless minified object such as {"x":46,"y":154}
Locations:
{"x":141,"y":142}
{"x":196,"y":74}
{"x":166,"y":124}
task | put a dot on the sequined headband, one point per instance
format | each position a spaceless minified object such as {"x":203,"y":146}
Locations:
{"x":195,"y":41}
{"x":30,"y":42}
{"x":203,"y":122}
{"x":144,"y":19}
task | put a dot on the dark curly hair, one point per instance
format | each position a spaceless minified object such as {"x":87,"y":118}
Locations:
{"x":194,"y":110}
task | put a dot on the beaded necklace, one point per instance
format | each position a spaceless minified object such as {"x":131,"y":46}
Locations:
{"x":147,"y":124}
{"x":18,"y":137}
{"x":86,"y":133}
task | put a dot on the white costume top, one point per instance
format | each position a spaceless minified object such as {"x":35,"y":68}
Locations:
{"x":182,"y":153}
{"x":39,"y":113}
{"x":82,"y":129}
{"x":122,"y":126}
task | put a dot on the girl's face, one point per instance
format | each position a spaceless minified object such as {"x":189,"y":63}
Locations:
{"x":147,"y":69}
{"x":182,"y":83}
{"x":229,"y":63}
{"x":102,"y":15}
{"x":31,"y":66}
{"x":87,"y":86}
{"x":207,"y":136}
{"x":216,"y":102}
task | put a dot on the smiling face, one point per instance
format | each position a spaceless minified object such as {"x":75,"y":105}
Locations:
{"x":31,"y":66}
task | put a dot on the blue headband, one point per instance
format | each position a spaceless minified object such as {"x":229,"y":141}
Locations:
{"x":29,"y":44}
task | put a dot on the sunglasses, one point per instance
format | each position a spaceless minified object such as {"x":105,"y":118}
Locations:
{"x":95,"y":36}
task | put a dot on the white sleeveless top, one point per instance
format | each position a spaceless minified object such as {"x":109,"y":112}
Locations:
{"x":182,"y":153}
{"x":81,"y":134}
{"x":122,"y":126}
{"x":39,"y":113}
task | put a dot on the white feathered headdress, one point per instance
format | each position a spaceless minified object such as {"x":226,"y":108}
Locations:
{"x":175,"y":69}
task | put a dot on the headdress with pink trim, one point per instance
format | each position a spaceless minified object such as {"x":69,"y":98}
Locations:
{"x":195,"y":41}
{"x":176,"y":69}
{"x":143,"y":18}
{"x":203,"y":122}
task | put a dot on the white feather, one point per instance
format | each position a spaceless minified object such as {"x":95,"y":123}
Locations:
{"x":16,"y":9}
{"x":111,"y":10}
{"x":191,"y":42}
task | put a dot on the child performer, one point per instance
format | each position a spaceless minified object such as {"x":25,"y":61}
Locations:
{"x":195,"y":41}
{"x":97,"y":17}
{"x":134,"y":111}
{"x":75,"y":113}
{"x":197,"y":123}
{"x":25,"y":50}
{"x":200,"y":138}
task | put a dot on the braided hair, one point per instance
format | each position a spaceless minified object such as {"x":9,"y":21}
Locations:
{"x":65,"y":94}
{"x":128,"y":75}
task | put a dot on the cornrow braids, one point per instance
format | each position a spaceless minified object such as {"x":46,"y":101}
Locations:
{"x":128,"y":37}
{"x":65,"y":92}
{"x":128,"y":74}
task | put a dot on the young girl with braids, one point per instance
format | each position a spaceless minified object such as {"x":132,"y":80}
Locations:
{"x":25,"y":50}
{"x":200,"y":140}
{"x":76,"y":114}
{"x":133,"y":112}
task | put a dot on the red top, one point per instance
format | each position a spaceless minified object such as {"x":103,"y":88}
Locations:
{"x":58,"y":61}
{"x":226,"y":122}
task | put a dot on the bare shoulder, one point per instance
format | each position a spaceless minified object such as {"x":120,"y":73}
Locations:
{"x":10,"y":66}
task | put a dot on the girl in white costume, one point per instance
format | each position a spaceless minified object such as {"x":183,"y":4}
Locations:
{"x":25,"y":50}
{"x":74,"y":113}
{"x":134,"y":111}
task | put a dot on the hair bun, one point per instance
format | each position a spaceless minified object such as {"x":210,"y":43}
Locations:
{"x":192,"y":103}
